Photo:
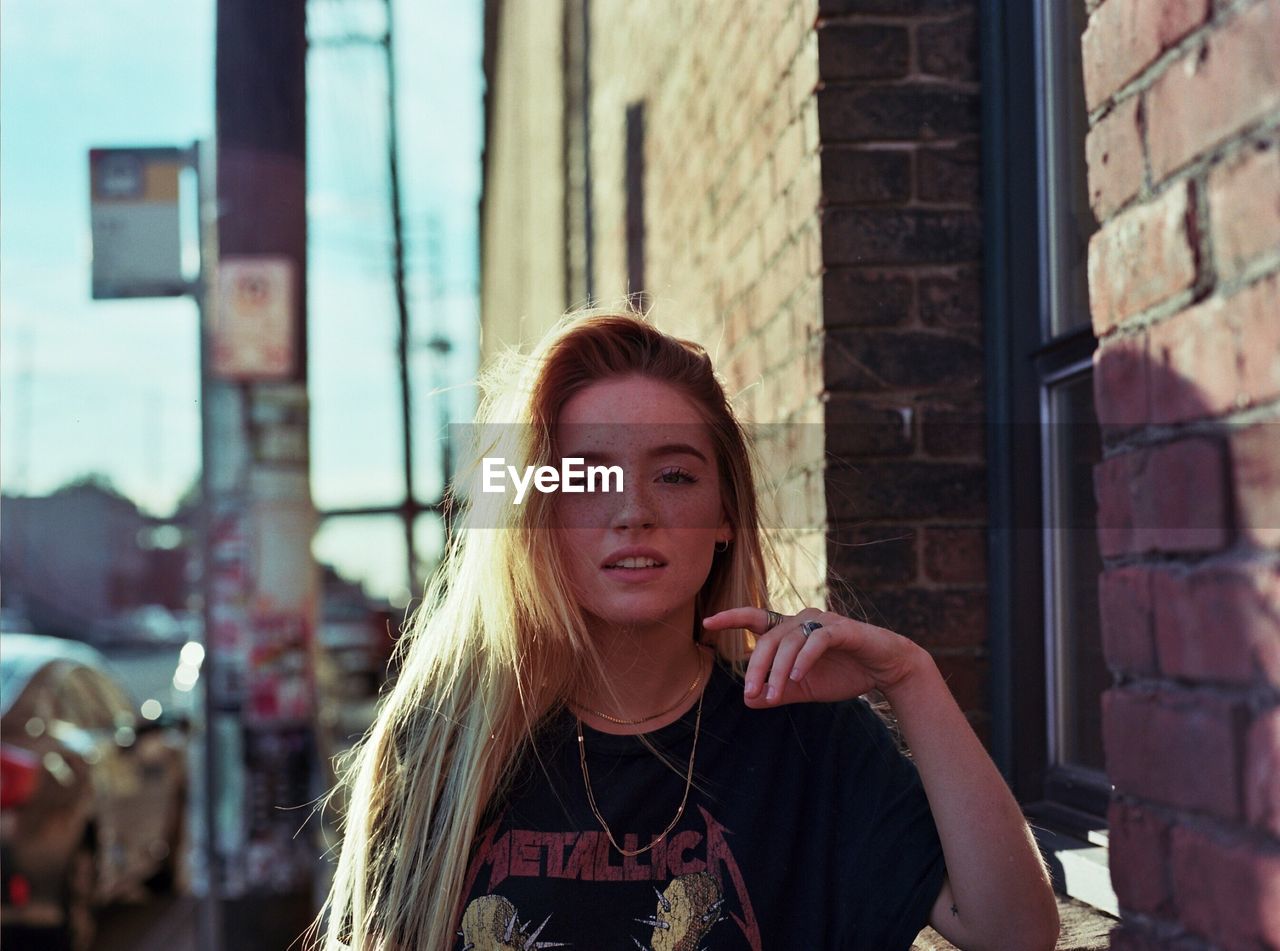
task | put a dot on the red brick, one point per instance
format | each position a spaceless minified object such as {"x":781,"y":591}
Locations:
{"x":1255,"y":472}
{"x":1134,"y":936}
{"x":951,"y":173}
{"x":866,"y":554}
{"x":1140,"y":258}
{"x":891,"y":7}
{"x":1193,"y":372}
{"x":862,"y":51}
{"x":924,"y":110}
{"x":1180,"y":500}
{"x":1253,"y":314}
{"x":1126,"y":36}
{"x":933,"y":618}
{"x":1124,"y":596}
{"x":853,"y":175}
{"x":1219,"y":624}
{"x":949,"y":48}
{"x":1113,"y":151}
{"x":1219,"y":356}
{"x":1227,"y":890}
{"x":1179,"y":749}
{"x":1262,"y":773}
{"x":1112,"y":487}
{"x":866,"y":298}
{"x":861,"y":428}
{"x":900,"y":236}
{"x":950,"y":431}
{"x":1171,"y":498}
{"x":1120,"y":393}
{"x":1139,"y":859}
{"x":954,"y":301}
{"x":900,"y":359}
{"x":1213,"y":91}
{"x":905,"y":489}
{"x":1244,"y":209}
{"x":955,"y":555}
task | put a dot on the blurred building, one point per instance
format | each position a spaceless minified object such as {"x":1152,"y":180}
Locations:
{"x":1006,"y":276}
{"x":84,"y":555}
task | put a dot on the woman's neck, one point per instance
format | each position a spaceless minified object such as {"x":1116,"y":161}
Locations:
{"x":650,"y":668}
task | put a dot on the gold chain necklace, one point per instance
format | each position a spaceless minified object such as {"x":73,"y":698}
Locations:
{"x":652,"y":716}
{"x":688,"y":783}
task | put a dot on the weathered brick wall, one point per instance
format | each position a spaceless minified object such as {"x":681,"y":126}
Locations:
{"x":898,"y":117}
{"x":731,"y":190}
{"x":522,"y":254}
{"x":811,"y":215}
{"x":1184,"y":273}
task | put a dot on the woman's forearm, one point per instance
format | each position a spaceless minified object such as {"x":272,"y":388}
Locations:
{"x":1002,"y":897}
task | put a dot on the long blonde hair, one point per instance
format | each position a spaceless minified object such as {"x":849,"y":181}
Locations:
{"x":498,"y":643}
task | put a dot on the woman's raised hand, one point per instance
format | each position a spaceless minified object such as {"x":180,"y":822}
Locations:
{"x":840,"y":659}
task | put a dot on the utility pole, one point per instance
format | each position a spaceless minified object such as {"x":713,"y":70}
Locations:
{"x":263,"y":606}
{"x":410,"y":510}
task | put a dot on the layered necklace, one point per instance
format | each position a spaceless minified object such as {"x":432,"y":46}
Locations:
{"x":688,"y":780}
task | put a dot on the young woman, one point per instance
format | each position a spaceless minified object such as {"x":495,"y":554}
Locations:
{"x":603,"y":734}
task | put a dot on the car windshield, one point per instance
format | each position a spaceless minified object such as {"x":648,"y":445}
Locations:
{"x":13,"y":674}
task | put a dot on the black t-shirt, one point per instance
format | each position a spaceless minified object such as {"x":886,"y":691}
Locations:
{"x":811,"y":830}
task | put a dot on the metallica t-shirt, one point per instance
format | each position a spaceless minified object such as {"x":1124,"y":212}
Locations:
{"x":805,"y":828}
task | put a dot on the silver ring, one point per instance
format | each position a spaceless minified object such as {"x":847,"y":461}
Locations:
{"x":808,"y":627}
{"x":774,"y":619}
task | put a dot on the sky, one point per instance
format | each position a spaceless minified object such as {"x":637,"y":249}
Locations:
{"x":111,"y":387}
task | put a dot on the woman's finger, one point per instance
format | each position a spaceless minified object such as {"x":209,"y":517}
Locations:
{"x":789,"y":646}
{"x":812,"y":649}
{"x":759,"y":665}
{"x":755,"y":620}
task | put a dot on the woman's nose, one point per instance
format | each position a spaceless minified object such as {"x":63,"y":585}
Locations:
{"x":635,"y":507}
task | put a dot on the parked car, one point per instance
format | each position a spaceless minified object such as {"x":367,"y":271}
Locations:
{"x":92,"y":793}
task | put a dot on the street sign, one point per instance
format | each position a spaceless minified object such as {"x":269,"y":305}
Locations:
{"x":135,"y":222}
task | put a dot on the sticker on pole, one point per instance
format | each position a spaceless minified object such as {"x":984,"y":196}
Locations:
{"x":252,"y":336}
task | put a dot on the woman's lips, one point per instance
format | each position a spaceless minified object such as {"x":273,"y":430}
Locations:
{"x":634,"y":575}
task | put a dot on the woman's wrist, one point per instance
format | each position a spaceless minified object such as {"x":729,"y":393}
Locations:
{"x":919,"y":675}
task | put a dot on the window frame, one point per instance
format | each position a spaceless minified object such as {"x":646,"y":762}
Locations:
{"x":1070,"y":823}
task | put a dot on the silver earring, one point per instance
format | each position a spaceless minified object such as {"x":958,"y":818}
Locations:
{"x":726,"y":545}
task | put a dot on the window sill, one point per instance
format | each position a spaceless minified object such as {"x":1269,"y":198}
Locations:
{"x":1074,"y":845}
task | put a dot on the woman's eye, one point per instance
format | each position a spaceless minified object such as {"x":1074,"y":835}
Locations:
{"x":676,"y":476}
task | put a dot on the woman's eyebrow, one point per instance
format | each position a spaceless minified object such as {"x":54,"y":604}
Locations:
{"x":666,"y":449}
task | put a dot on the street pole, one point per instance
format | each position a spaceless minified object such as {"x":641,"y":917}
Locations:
{"x":410,"y":510}
{"x":206,"y":237}
{"x":266,"y":585}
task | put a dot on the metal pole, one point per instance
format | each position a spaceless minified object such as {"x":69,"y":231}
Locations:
{"x":210,"y":939}
{"x":409,"y":510}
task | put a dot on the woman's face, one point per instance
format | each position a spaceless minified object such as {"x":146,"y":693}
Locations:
{"x":669,"y":510}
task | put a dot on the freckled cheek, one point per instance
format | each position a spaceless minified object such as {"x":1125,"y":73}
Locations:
{"x":673,"y":507}
{"x":695,"y":511}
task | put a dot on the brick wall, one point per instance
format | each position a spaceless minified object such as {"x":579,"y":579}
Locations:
{"x":811,"y":214}
{"x":1184,"y":273}
{"x":522,"y":255}
{"x":730,"y":212}
{"x":898,"y":116}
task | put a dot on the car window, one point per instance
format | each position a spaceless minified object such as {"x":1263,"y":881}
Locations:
{"x":9,"y":676}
